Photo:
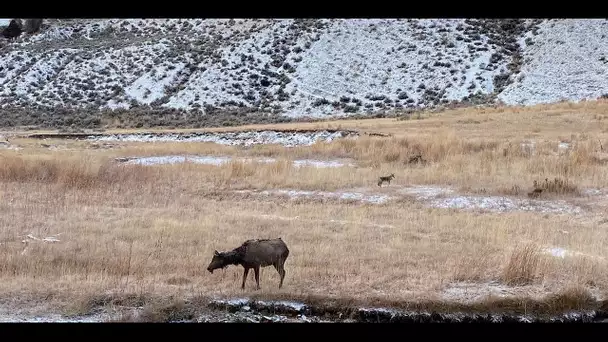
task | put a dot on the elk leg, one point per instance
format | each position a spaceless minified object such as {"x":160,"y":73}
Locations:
{"x":256,"y":270}
{"x":245,"y":277}
{"x":281,"y":269}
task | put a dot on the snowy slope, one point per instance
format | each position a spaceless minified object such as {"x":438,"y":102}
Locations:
{"x":568,"y":61}
{"x":198,"y":68}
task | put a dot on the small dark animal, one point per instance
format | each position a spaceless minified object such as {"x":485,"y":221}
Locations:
{"x":535,"y":193}
{"x":417,"y":159}
{"x":387,"y":179}
{"x":32,"y":25}
{"x":13,"y":29}
{"x":254,"y":254}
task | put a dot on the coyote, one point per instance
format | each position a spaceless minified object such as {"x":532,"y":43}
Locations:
{"x":417,"y":159}
{"x":537,"y":191}
{"x":387,"y":179}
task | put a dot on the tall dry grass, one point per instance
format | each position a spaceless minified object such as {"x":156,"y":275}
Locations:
{"x":77,"y":171}
{"x":523,"y":265}
{"x":136,"y":229}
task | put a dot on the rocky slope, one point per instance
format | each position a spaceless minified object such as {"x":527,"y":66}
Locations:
{"x":201,"y":72}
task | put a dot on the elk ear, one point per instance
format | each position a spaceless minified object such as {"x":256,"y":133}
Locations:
{"x":216,"y":253}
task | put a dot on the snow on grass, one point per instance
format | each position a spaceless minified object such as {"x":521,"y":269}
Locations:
{"x":148,"y":87}
{"x":11,"y":67}
{"x":360,"y":57}
{"x":219,"y":160}
{"x":563,"y":253}
{"x":287,"y":139}
{"x":566,"y":62}
{"x":504,"y":204}
{"x":436,"y":197}
{"x":426,"y":192}
{"x":442,"y":197}
{"x":355,"y":58}
{"x":53,"y":318}
{"x":468,"y":292}
{"x":341,"y":195}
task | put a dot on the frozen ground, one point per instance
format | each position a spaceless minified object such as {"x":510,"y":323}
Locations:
{"x":472,"y":292}
{"x":345,"y":195}
{"x":504,"y":204}
{"x":247,"y":310}
{"x":296,"y":68}
{"x":287,"y":139}
{"x":343,"y":222}
{"x":432,"y":196}
{"x":219,"y":160}
{"x":563,"y":253}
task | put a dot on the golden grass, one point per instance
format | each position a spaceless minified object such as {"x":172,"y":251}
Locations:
{"x":523,"y":265}
{"x":136,"y":230}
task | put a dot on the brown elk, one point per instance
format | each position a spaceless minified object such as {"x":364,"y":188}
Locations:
{"x":254,"y":254}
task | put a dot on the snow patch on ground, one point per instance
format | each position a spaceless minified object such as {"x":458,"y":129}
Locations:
{"x":426,"y":192}
{"x":443,"y":197}
{"x":436,"y":197}
{"x":357,"y":196}
{"x":287,"y":139}
{"x":473,"y":292}
{"x":344,"y":222}
{"x":219,"y":160}
{"x":505,"y":204}
{"x":563,"y":253}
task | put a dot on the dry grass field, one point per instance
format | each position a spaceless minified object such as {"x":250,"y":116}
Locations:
{"x":119,"y":229}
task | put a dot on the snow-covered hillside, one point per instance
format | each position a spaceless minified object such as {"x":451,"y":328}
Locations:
{"x":178,"y":71}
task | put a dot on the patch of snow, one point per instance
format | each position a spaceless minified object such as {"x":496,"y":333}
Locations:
{"x":557,"y":252}
{"x":592,"y":192}
{"x":287,"y":139}
{"x":30,"y":238}
{"x":374,"y":199}
{"x":562,"y":253}
{"x":426,"y":192}
{"x":233,"y":301}
{"x":504,"y":204}
{"x":319,"y":163}
{"x":219,"y":160}
{"x":294,"y":305}
{"x":473,"y":292}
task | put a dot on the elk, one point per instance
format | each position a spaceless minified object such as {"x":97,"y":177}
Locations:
{"x":254,"y":254}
